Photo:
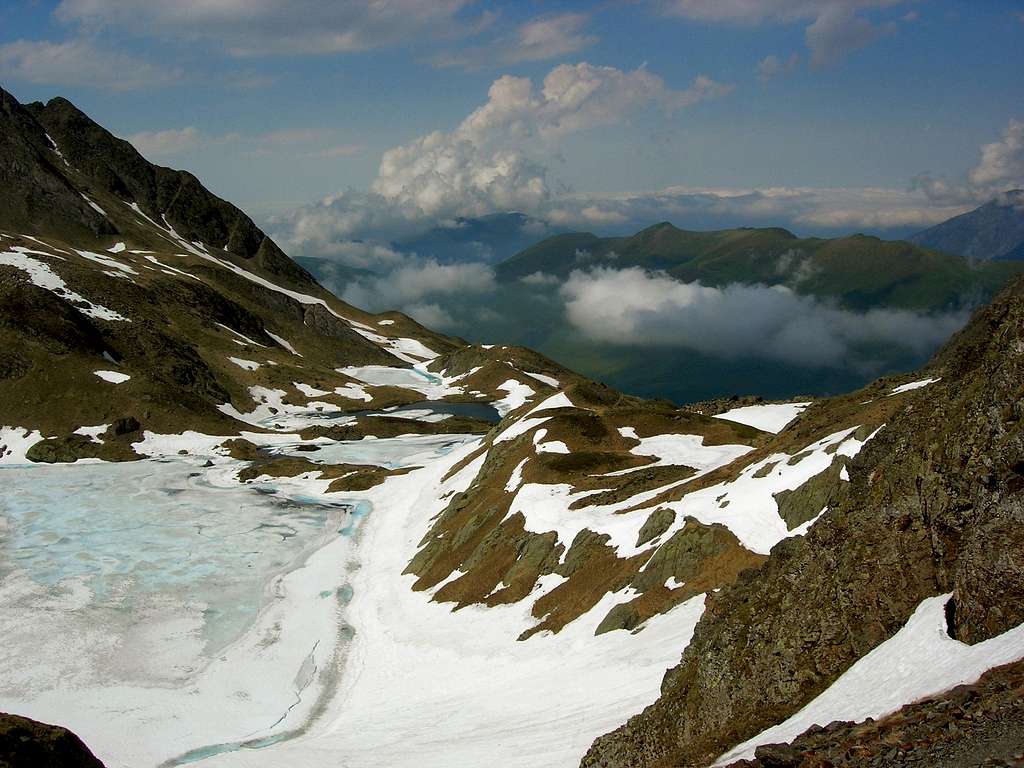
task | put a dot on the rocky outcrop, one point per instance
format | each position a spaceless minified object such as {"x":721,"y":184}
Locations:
{"x":26,"y":743}
{"x":934,"y":502}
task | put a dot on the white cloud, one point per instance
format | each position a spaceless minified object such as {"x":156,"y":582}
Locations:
{"x":1002,"y":162}
{"x":166,"y":142}
{"x":415,"y":285}
{"x":539,"y":39}
{"x":490,"y":161}
{"x":773,"y":66}
{"x":836,"y":26}
{"x":266,"y":27}
{"x":631,"y":306}
{"x":1000,"y":168}
{"x":79,"y":63}
{"x":838,"y":31}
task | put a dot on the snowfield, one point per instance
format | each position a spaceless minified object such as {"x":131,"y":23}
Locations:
{"x":770,"y":417}
{"x":918,"y":661}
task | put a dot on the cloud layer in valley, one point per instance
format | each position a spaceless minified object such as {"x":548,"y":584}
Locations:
{"x":632,"y":306}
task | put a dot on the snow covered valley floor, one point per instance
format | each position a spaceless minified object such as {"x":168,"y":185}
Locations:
{"x":171,"y":616}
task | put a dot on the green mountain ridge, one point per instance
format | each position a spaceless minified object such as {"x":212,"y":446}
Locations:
{"x":859,"y":272}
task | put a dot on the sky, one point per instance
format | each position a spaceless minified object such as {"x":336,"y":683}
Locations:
{"x":335,"y":123}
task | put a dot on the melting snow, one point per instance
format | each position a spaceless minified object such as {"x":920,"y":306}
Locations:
{"x":770,"y":417}
{"x":173,"y":271}
{"x":309,"y":391}
{"x":430,"y":385}
{"x":518,"y":395}
{"x":93,"y":433}
{"x":517,"y":477}
{"x":41,"y":275}
{"x":14,"y":444}
{"x":912,"y":385}
{"x":106,"y":261}
{"x":114,"y":377}
{"x":283,"y":343}
{"x":93,"y":205}
{"x":249,"y":365}
{"x":551,"y":381}
{"x":918,"y":661}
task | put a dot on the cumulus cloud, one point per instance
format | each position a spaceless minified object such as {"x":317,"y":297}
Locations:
{"x":262,"y":27}
{"x":1002,"y":162}
{"x":539,"y":39}
{"x":837,"y":27}
{"x":494,"y":160}
{"x":485,"y":164}
{"x":773,"y":66}
{"x":631,"y":306}
{"x":1000,"y":168}
{"x":79,"y":63}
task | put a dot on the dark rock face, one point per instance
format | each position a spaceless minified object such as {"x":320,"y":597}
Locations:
{"x":42,"y":191}
{"x":114,"y":165}
{"x":34,"y":193}
{"x":25,"y":743}
{"x":933,"y":506}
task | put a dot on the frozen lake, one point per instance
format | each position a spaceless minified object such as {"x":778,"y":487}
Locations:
{"x":154,"y":531}
{"x":166,"y":613}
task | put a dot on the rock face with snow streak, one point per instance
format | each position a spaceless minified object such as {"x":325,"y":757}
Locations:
{"x":934,"y":505}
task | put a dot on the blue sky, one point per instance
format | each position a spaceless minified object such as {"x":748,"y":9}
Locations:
{"x":278,"y":105}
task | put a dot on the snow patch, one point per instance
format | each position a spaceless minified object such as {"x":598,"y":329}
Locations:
{"x":912,"y":386}
{"x":114,"y":377}
{"x":920,"y":660}
{"x":93,"y":433}
{"x":518,"y":395}
{"x":42,"y":276}
{"x":248,"y":365}
{"x":770,"y":417}
{"x":551,"y":381}
{"x":283,"y":343}
{"x":15,"y":442}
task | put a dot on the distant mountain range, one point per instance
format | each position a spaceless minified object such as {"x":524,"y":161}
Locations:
{"x":861,"y":272}
{"x":993,"y":231}
{"x":490,"y":239}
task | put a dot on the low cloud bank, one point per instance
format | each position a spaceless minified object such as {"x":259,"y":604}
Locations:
{"x":422,"y":288}
{"x":635,"y":307}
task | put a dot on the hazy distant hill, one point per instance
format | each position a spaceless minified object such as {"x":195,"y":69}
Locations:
{"x":993,"y":231}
